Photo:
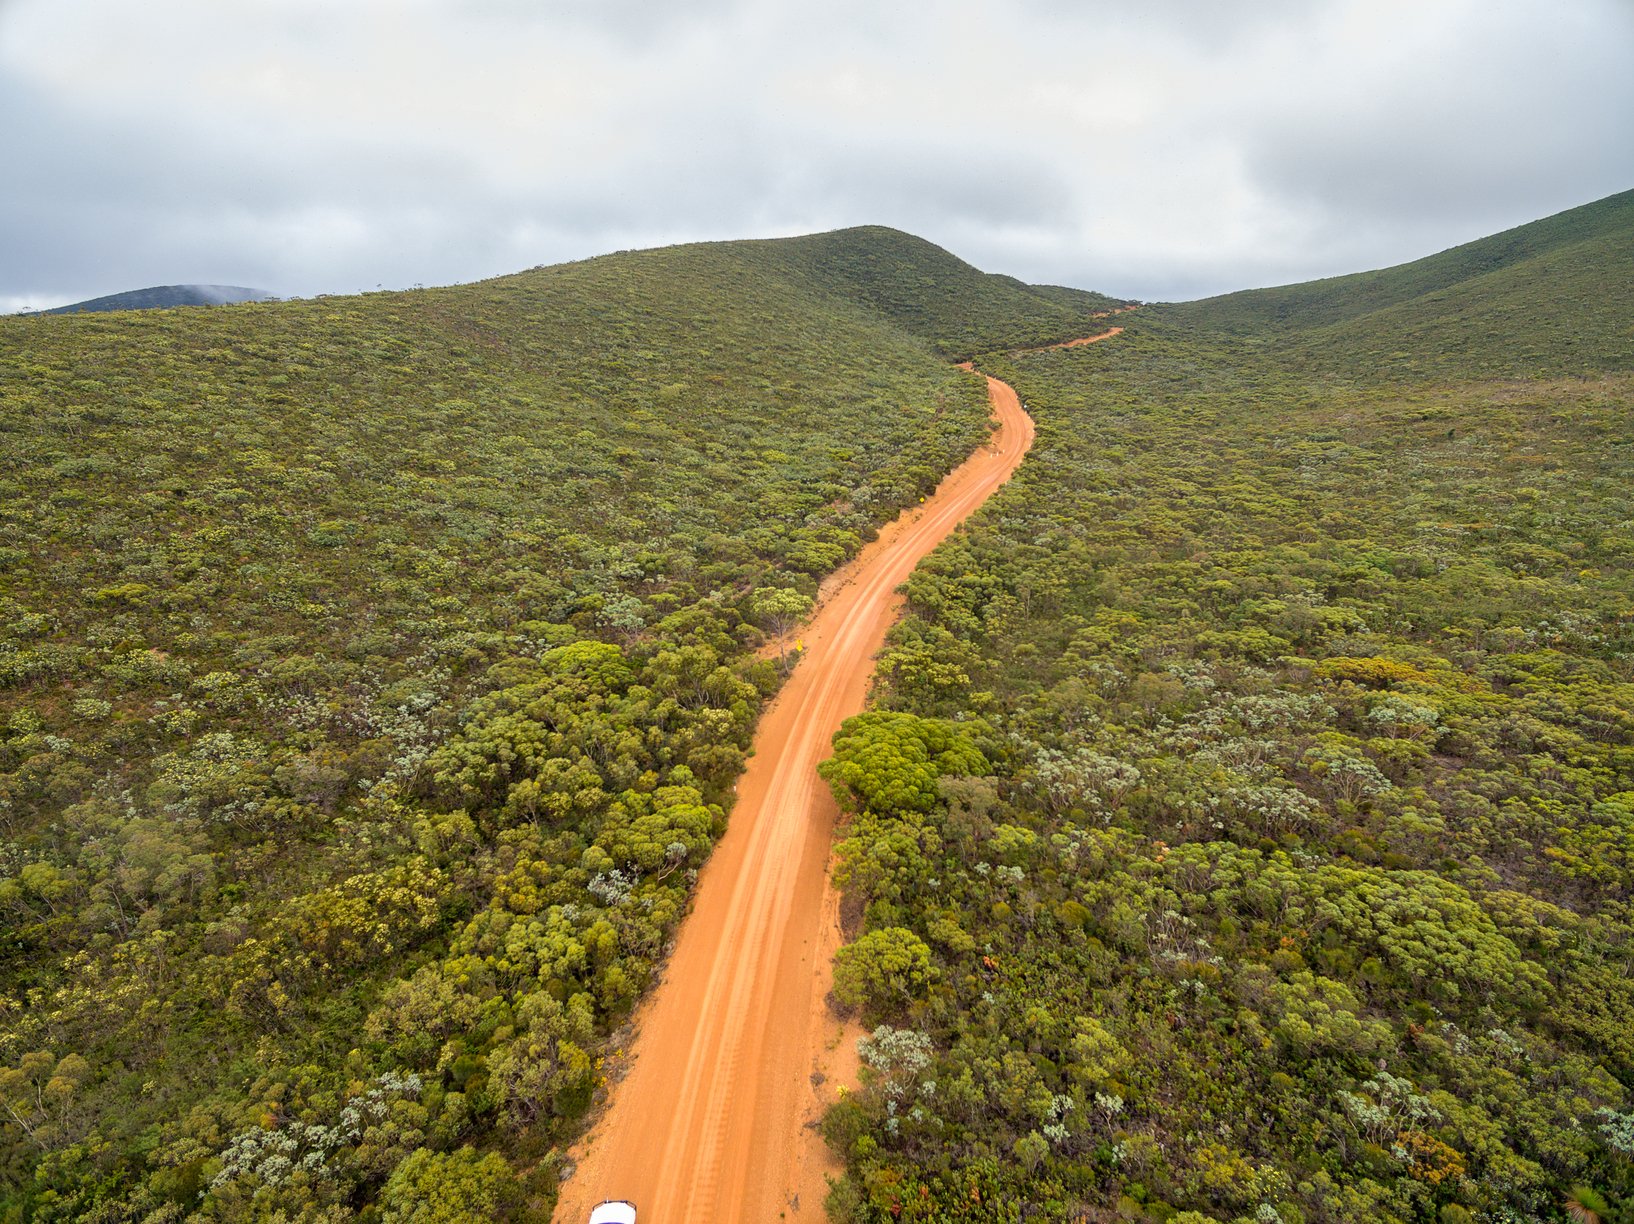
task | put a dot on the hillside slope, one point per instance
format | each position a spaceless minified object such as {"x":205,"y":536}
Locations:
{"x":928,"y":291}
{"x":374,"y":675}
{"x":1288,"y":873}
{"x":1340,"y":298}
{"x":1547,"y":297}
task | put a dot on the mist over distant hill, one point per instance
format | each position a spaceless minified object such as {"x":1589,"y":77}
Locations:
{"x":163,"y":297}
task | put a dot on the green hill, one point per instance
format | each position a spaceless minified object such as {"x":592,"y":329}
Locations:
{"x":1547,"y":297}
{"x":930,"y":292}
{"x":374,"y":674}
{"x":1293,"y":876}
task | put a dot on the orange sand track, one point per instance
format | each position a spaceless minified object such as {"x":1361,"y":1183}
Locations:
{"x":1106,"y":335}
{"x":736,"y":1054}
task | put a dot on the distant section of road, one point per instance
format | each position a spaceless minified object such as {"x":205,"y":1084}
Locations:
{"x":1106,"y":335}
{"x":736,"y":1055}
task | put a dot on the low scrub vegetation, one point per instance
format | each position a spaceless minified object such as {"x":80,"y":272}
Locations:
{"x":1245,"y":832}
{"x":374,"y":673}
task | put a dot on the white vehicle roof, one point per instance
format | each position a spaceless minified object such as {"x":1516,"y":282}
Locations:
{"x":614,"y":1211}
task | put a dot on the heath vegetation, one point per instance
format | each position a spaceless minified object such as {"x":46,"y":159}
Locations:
{"x":374,"y":673}
{"x":1246,"y":831}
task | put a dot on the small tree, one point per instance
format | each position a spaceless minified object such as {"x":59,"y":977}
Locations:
{"x":883,"y":971}
{"x":779,"y":609}
{"x":437,"y":1187}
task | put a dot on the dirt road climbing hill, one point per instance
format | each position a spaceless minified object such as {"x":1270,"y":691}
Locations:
{"x":709,"y":1121}
{"x":1106,"y":335}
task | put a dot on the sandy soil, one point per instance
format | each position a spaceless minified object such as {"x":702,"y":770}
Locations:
{"x":736,"y":1054}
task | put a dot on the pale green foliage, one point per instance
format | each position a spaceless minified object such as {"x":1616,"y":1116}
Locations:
{"x":882,"y":971}
{"x":780,"y":608}
{"x":888,"y":1050}
{"x":1098,"y":1057}
{"x":1083,"y":777}
{"x":892,"y":762}
{"x":449,"y":1188}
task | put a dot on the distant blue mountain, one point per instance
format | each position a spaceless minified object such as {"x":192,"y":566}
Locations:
{"x":163,"y":297}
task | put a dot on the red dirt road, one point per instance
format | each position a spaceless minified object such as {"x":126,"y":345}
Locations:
{"x":1106,"y":335}
{"x":709,"y":1123}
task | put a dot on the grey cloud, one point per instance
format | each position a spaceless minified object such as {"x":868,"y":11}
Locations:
{"x":1209,"y":27}
{"x":1511,"y":109}
{"x":641,"y":24}
{"x":925,"y":184}
{"x":1164,"y":152}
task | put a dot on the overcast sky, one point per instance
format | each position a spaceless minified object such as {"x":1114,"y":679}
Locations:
{"x":1159,"y":150}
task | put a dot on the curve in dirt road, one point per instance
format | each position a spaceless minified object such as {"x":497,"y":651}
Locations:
{"x":714,"y":1118}
{"x":1106,"y":335}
